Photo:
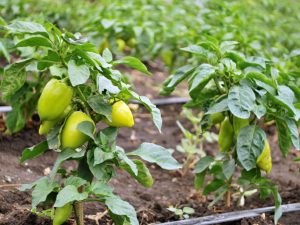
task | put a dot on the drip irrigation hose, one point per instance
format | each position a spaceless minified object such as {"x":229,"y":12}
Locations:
{"x":234,"y":216}
{"x":5,"y":109}
{"x":166,"y":101}
{"x":157,"y":102}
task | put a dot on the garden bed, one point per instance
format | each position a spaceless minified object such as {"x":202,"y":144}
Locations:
{"x":170,"y":188}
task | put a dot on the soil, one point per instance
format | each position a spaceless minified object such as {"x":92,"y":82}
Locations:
{"x":170,"y":188}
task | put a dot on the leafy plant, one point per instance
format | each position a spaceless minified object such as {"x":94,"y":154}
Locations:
{"x":84,"y":89}
{"x":192,"y":143}
{"x":248,"y":92}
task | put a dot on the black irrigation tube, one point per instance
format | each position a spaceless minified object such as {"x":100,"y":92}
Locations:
{"x":158,"y":102}
{"x":234,"y":216}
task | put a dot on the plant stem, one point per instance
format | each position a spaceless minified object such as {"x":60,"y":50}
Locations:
{"x":186,"y":164}
{"x":218,"y":85}
{"x":78,"y":209}
{"x":228,"y":198}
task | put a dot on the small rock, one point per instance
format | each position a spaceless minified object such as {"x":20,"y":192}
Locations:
{"x":8,"y":179}
{"x":47,"y":171}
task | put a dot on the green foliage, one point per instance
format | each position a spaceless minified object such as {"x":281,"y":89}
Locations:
{"x":95,"y":83}
{"x":192,"y":143}
{"x":247,"y":88}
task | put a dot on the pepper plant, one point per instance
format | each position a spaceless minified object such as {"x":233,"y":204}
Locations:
{"x":249,"y":93}
{"x":84,"y":89}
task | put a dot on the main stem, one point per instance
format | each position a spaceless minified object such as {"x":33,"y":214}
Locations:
{"x":228,"y":194}
{"x":78,"y":208}
{"x":228,"y":198}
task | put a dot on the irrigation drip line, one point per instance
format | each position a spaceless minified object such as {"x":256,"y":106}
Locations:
{"x":233,"y":216}
{"x":5,"y":109}
{"x":166,"y":101}
{"x":157,"y":102}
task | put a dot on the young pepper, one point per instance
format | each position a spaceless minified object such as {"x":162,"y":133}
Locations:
{"x":55,"y":98}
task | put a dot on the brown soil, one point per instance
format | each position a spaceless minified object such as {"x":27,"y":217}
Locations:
{"x":170,"y":188}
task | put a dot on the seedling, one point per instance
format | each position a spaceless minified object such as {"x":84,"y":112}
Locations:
{"x":183,"y":213}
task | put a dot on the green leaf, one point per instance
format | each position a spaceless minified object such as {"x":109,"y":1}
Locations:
{"x":2,"y":21}
{"x":124,"y":159}
{"x":213,"y":186}
{"x":101,"y":156}
{"x":241,"y":101}
{"x":119,"y":207}
{"x":259,"y":111}
{"x":25,"y":187}
{"x":250,"y":144}
{"x":78,"y":74}
{"x":201,"y":76}
{"x":107,"y":55}
{"x":63,"y":156}
{"x":101,"y":189}
{"x":203,"y":164}
{"x":41,"y":190}
{"x":228,"y":168}
{"x":278,"y":207}
{"x":49,"y":61}
{"x":188,"y":210}
{"x":105,"y":84}
{"x":181,"y":74}
{"x":15,"y":120}
{"x":284,"y":136}
{"x":143,"y":175}
{"x":14,"y":78}
{"x":53,"y":137}
{"x":106,"y":23}
{"x":34,"y":151}
{"x":26,"y":27}
{"x":69,"y":194}
{"x":286,"y":98}
{"x":103,"y":172}
{"x":4,"y":51}
{"x":196,"y":49}
{"x":226,"y":46}
{"x":133,"y":63}
{"x":220,"y":106}
{"x":100,"y":106}
{"x":155,"y":112}
{"x":75,"y":181}
{"x":156,"y":154}
{"x":269,"y":84}
{"x":108,"y":136}
{"x":87,"y":128}
{"x":98,"y":59}
{"x":199,"y":180}
{"x":57,"y":70}
{"x":83,"y":170}
{"x":34,"y":42}
{"x":218,"y":196}
{"x":294,"y":133}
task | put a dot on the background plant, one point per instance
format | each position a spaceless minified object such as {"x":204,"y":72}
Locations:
{"x":249,"y":91}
